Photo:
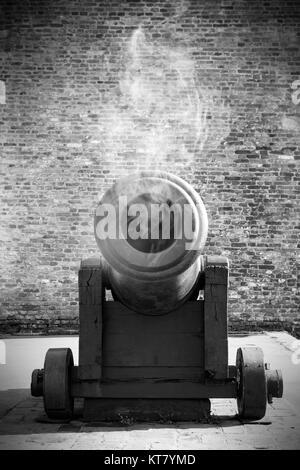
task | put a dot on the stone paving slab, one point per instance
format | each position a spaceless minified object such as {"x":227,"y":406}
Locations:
{"x":23,"y":424}
{"x":23,"y":428}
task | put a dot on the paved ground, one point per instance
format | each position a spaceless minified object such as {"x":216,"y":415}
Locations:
{"x":22,"y":426}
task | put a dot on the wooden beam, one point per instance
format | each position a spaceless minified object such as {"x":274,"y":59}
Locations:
{"x":91,"y":295}
{"x":215,"y":317}
{"x":134,"y":340}
{"x":152,"y":389}
{"x":136,"y":374}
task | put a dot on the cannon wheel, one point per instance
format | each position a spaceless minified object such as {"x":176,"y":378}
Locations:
{"x":58,"y":402}
{"x":37,"y":383}
{"x":251,"y":383}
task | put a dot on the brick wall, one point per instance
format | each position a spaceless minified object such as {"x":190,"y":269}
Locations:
{"x":94,"y":89}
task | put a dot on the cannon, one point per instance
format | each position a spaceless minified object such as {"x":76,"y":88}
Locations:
{"x":153,"y":314}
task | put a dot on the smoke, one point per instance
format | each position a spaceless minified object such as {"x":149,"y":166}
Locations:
{"x":161,"y":117}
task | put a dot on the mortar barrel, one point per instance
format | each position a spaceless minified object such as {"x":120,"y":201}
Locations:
{"x":151,"y":228}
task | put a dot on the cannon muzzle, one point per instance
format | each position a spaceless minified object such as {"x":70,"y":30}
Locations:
{"x":150,"y":228}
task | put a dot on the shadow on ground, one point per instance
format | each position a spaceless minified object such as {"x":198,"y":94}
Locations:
{"x":21,"y":414}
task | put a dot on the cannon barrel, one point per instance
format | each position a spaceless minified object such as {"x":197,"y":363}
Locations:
{"x":150,"y":228}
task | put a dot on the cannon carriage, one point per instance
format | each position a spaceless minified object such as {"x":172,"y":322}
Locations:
{"x":162,"y":342}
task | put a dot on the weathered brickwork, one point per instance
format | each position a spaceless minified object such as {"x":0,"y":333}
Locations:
{"x":94,"y":89}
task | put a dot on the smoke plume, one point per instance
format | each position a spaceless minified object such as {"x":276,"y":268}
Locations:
{"x":161,"y":117}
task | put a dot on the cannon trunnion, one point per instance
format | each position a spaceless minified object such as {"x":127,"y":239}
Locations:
{"x":162,"y":343}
